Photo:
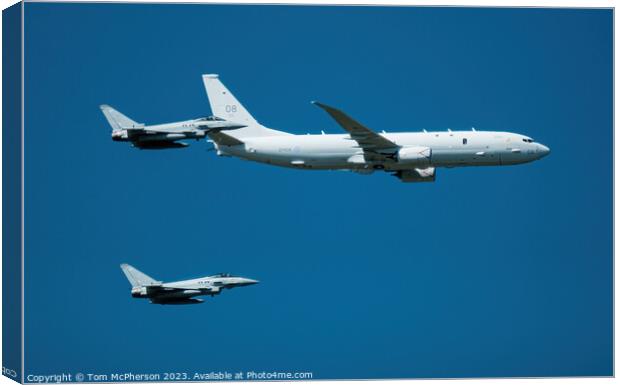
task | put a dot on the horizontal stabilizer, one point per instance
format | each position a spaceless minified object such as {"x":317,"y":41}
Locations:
{"x":223,"y":139}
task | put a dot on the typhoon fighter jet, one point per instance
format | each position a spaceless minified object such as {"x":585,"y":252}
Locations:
{"x":162,"y":136}
{"x":180,"y":292}
{"x":409,"y":156}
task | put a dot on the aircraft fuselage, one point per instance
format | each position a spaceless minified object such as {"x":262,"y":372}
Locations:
{"x":445,"y":149}
{"x":183,"y":292}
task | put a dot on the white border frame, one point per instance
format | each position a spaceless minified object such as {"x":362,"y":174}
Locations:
{"x":478,"y":3}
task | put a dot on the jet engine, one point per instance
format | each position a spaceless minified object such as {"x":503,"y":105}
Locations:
{"x":417,"y":175}
{"x":414,"y":155}
{"x":139,"y":292}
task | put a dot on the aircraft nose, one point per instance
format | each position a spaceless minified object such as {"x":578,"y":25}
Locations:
{"x":248,"y":281}
{"x":543,"y":150}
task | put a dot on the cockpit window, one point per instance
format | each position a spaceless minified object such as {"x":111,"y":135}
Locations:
{"x":222,"y":275}
{"x":528,"y":140}
{"x":210,"y":119}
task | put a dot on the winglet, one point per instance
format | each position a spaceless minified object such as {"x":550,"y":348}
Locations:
{"x":334,"y":112}
{"x":323,"y":106}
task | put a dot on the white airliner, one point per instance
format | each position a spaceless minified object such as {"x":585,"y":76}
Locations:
{"x":410,"y":156}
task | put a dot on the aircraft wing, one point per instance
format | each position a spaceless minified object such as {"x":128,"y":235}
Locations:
{"x":170,"y":130}
{"x":189,"y":290}
{"x":154,"y":284}
{"x":180,"y":128}
{"x":136,"y":135}
{"x":152,"y":130}
{"x":371,"y":142}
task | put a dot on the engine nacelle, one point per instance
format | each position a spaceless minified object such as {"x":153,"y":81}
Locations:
{"x":139,"y":292}
{"x":418,"y":175}
{"x":414,"y":155}
{"x":120,"y":135}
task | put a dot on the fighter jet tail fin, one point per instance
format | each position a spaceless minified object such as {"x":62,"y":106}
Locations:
{"x":138,"y":278}
{"x":117,"y":120}
{"x":224,"y":105}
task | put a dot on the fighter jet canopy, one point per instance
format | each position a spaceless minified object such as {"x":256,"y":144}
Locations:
{"x":210,"y":119}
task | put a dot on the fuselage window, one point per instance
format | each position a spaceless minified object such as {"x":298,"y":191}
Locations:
{"x":464,"y":140}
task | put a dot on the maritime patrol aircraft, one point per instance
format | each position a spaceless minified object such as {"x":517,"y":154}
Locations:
{"x":410,"y":156}
{"x":162,"y":136}
{"x":180,"y":292}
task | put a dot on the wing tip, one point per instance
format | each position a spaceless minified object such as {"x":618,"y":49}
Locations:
{"x":321,"y":105}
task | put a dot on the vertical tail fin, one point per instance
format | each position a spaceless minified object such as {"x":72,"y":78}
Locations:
{"x":224,"y":105}
{"x":116,"y":119}
{"x":136,"y":277}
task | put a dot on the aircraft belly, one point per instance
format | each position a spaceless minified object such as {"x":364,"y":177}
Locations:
{"x":178,"y":294}
{"x":338,"y":158}
{"x":471,"y":157}
{"x":296,"y":158}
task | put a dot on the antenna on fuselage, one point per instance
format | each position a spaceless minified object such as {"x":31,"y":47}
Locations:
{"x":449,"y":130}
{"x":322,"y":132}
{"x":424,"y":130}
{"x":473,"y":129}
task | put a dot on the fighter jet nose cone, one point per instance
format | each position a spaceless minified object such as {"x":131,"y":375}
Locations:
{"x":248,"y":282}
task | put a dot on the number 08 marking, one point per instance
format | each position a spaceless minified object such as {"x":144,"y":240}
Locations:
{"x":231,"y":108}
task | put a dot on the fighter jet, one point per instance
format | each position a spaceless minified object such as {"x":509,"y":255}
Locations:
{"x":410,"y":156}
{"x":162,"y":136}
{"x":180,"y":292}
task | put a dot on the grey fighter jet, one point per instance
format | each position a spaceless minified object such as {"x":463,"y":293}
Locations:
{"x":161,"y":136}
{"x":180,"y":292}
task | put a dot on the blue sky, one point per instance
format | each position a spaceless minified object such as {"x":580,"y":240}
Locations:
{"x":500,"y":271}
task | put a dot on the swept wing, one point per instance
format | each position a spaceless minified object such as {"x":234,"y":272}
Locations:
{"x":375,"y":146}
